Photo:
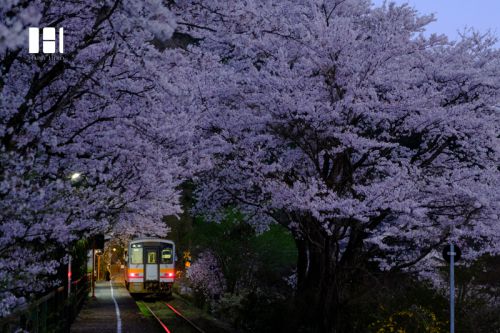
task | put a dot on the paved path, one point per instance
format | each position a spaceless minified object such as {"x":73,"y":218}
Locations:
{"x":113,"y":310}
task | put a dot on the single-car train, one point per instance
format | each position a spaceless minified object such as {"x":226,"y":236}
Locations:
{"x":150,"y":266}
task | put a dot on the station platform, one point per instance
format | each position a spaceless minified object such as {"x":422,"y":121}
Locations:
{"x":112,"y":310}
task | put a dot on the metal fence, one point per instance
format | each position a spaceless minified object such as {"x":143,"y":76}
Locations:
{"x":53,"y":312}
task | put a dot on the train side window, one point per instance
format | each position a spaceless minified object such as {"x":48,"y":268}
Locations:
{"x":136,"y":256}
{"x":167,"y":255}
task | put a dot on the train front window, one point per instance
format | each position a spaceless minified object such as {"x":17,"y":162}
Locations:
{"x":151,"y":257}
{"x":136,"y":256}
{"x":167,"y":255}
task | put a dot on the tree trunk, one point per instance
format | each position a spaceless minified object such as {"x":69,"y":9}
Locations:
{"x":323,"y":279}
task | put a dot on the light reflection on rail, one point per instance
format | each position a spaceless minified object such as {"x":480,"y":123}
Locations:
{"x":182,"y":316}
{"x":157,"y":318}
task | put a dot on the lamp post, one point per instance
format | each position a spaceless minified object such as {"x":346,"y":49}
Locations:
{"x":75,"y":178}
{"x":93,"y":268}
{"x":69,"y":276}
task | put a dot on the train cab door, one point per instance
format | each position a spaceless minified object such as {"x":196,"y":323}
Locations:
{"x":152,"y":264}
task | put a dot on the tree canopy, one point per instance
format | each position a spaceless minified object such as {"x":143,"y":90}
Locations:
{"x":89,"y":139}
{"x":371,"y":143}
{"x":342,"y":122}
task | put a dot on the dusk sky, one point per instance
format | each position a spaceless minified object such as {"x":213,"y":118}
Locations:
{"x":455,"y":15}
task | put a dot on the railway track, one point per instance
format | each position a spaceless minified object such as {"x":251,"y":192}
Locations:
{"x":189,"y":326}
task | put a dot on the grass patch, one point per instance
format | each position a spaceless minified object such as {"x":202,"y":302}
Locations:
{"x":145,"y":312}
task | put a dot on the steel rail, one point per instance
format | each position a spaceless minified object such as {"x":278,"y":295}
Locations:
{"x":157,"y":318}
{"x":174,"y":310}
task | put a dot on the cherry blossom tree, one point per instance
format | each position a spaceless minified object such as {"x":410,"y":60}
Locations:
{"x":91,"y":140}
{"x":340,"y":121}
{"x":206,"y":275}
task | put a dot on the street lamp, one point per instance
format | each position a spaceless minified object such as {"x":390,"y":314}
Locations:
{"x":75,"y":176}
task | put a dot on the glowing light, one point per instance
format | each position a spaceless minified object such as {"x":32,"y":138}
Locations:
{"x":134,"y":275}
{"x":75,"y":176}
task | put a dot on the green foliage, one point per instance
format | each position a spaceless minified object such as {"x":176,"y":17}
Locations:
{"x":414,"y":320}
{"x":258,"y":298}
{"x":478,"y":298}
{"x":401,"y":303}
{"x":79,"y":259}
{"x":254,"y":266}
{"x":395,"y":302}
{"x":247,"y":259}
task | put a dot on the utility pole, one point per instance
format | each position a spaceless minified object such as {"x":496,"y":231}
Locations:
{"x":452,"y":254}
